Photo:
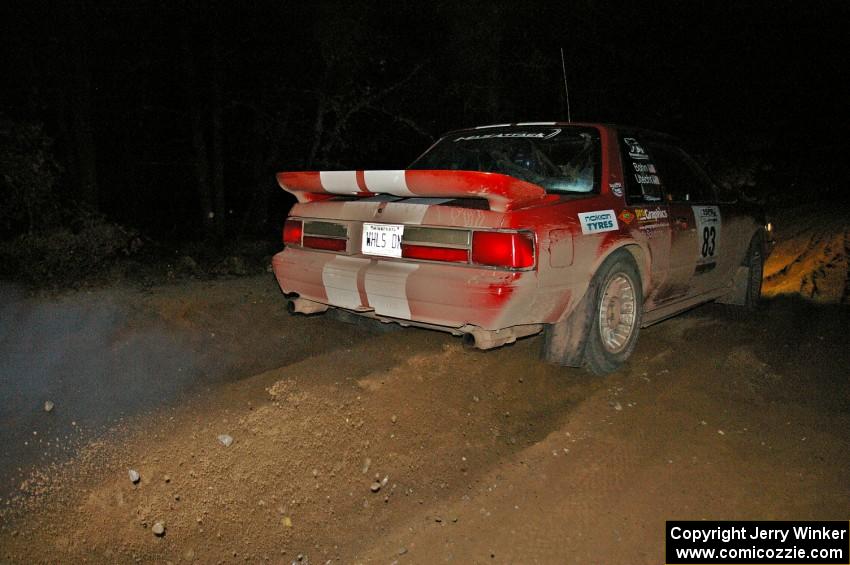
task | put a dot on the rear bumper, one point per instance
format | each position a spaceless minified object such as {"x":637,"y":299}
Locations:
{"x":446,"y":296}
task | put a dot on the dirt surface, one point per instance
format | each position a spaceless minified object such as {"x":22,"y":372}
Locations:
{"x":810,"y":258}
{"x":110,"y":354}
{"x":379,"y":447}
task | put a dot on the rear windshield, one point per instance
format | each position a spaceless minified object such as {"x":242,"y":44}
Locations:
{"x":558,"y":158}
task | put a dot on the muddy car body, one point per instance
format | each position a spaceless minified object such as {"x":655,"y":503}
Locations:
{"x":585,"y":232}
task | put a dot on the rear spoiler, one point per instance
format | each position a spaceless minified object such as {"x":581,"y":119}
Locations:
{"x":501,"y":191}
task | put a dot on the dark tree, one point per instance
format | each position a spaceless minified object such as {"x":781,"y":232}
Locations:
{"x":79,"y":99}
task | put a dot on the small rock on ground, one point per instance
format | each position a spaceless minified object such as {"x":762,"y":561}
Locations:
{"x":134,"y":476}
{"x":158,"y":529}
{"x":225,"y":440}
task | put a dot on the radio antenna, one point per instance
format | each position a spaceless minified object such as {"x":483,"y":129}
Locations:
{"x":566,"y":88}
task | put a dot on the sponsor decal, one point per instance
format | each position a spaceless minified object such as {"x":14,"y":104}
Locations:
{"x":634,"y":148}
{"x":651,"y":229}
{"x":616,"y":188}
{"x":708,"y":234}
{"x":598,"y":222}
{"x":626,"y":216}
{"x":647,"y":215}
{"x":512,"y":134}
{"x":707,"y":213}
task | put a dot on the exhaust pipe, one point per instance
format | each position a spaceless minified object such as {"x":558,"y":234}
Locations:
{"x":468,"y":341}
{"x":476,"y":338}
{"x":304,"y":306}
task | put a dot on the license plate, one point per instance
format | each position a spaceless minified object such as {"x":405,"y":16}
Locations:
{"x":382,"y":239}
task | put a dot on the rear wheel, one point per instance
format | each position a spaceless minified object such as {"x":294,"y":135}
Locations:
{"x":601,"y":331}
{"x":616,"y":316}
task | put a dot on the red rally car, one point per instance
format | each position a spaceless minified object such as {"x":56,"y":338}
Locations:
{"x":584,"y":232}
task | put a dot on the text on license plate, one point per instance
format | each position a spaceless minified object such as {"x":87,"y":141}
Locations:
{"x":382,"y":239}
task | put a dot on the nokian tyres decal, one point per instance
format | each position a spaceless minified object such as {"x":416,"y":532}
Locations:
{"x":708,"y":233}
{"x":598,"y":222}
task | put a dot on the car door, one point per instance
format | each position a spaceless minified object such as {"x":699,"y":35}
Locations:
{"x":649,"y":213}
{"x":695,"y":220}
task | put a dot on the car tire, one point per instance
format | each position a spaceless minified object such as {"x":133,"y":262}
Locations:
{"x":755,"y":272}
{"x":616,"y":315}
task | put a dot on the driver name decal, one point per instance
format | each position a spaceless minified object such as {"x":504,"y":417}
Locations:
{"x":598,"y":222}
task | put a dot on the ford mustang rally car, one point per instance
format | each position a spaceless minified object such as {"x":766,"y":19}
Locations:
{"x":584,"y":232}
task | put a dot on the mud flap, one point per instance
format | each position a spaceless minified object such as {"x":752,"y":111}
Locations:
{"x":738,"y":294}
{"x":565,"y":341}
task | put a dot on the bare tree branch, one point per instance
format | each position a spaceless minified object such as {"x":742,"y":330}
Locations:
{"x":365,"y":102}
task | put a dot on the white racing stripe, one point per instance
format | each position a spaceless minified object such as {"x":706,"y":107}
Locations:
{"x":392,"y":182}
{"x":403,"y":213}
{"x":340,"y":279}
{"x":339,"y":182}
{"x":386,"y":288}
{"x":406,"y":212}
{"x":359,"y":209}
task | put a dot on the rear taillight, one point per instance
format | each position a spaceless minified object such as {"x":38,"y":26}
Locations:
{"x":325,"y":243}
{"x":292,"y":231}
{"x":315,"y":235}
{"x":429,"y":253}
{"x":514,"y":250}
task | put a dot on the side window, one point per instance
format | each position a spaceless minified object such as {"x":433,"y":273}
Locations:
{"x":642,"y":183}
{"x":684,"y":180}
{"x":705,"y":189}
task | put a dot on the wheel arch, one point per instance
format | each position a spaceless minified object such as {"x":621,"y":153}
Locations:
{"x":641,"y":258}
{"x":759,"y":236}
{"x":565,"y":341}
{"x":639,"y":255}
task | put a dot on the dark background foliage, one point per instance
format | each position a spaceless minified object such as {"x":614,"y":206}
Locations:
{"x":171,"y":118}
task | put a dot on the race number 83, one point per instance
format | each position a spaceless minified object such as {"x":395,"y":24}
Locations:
{"x":708,"y":232}
{"x":709,"y":241}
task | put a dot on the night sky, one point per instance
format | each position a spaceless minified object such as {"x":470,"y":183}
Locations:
{"x":159,"y":112}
